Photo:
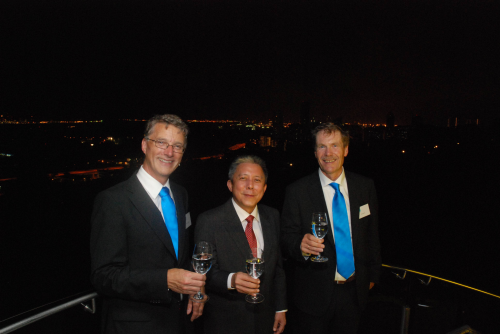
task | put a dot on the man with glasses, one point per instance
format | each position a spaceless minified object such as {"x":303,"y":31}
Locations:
{"x":330,"y":296}
{"x":139,"y":241}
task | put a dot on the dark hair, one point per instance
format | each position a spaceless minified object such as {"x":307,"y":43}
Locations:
{"x":168,"y":119}
{"x":247,"y":159}
{"x":330,"y":128}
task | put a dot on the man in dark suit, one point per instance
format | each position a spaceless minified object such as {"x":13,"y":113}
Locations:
{"x":329,"y":296}
{"x":139,"y":241}
{"x":231,"y":229}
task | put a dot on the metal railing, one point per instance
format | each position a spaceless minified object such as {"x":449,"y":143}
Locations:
{"x":405,"y":300}
{"x":34,"y":315}
{"x":429,"y":277}
{"x":408,"y":297}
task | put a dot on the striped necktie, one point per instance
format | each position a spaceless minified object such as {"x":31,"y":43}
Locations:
{"x":252,"y":240}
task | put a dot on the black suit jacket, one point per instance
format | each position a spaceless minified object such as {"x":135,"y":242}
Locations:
{"x":227,"y":311}
{"x":313,"y":286}
{"x":131,"y":252}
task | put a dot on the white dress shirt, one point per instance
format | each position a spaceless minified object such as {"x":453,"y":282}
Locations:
{"x":257,"y":229}
{"x":328,"y":193}
{"x":153,"y":188}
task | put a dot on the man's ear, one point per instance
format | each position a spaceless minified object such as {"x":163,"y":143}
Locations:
{"x":144,"y":145}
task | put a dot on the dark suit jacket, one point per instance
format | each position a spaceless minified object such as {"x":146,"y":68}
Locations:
{"x":227,"y":311}
{"x":304,"y":197}
{"x":131,"y":252}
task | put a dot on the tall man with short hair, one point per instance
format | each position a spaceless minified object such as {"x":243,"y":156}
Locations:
{"x":330,"y":296}
{"x":231,"y":229}
{"x":139,"y":241}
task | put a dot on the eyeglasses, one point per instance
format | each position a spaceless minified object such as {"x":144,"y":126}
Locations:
{"x":178,"y":148}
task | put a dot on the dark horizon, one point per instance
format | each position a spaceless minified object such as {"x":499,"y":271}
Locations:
{"x":225,"y":60}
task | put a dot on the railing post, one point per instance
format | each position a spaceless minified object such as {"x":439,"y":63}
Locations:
{"x":405,"y":319}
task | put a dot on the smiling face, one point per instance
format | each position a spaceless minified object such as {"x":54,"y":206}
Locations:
{"x":330,"y":152}
{"x":248,"y":185}
{"x":160,"y":163}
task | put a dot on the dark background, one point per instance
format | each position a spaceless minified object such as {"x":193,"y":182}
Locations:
{"x":249,"y":59}
{"x":115,"y":60}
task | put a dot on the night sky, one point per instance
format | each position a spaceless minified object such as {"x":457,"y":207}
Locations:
{"x":249,"y":59}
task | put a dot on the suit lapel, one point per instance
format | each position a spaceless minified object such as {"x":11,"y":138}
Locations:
{"x":267,"y":231}
{"x":270,"y":246}
{"x":181,"y":219}
{"x":143,"y":203}
{"x":354,"y":204}
{"x":233,"y":226}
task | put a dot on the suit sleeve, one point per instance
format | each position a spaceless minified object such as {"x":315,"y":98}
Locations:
{"x":216,"y":278}
{"x":374,"y":241}
{"x":291,"y":227}
{"x":279,"y":278}
{"x":112,"y":273}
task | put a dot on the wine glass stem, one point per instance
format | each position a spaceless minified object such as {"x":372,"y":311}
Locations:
{"x":200,"y":295}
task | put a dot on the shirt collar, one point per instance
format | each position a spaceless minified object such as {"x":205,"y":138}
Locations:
{"x":242,"y":214}
{"x":152,"y":186}
{"x":325,"y":181}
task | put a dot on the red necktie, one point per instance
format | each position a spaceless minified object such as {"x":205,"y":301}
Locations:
{"x":252,"y":241}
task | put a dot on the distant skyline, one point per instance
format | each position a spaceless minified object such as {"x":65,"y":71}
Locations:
{"x":228,"y":60}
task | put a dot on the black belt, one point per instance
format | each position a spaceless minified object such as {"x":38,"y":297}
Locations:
{"x":350,"y":279}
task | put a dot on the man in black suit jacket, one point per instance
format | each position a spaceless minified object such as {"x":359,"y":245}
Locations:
{"x":137,"y":266}
{"x":225,"y":227}
{"x":326,"y":302}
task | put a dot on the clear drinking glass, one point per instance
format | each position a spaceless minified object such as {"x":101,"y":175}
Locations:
{"x":319,"y":230}
{"x":255,"y":268}
{"x":202,"y":262}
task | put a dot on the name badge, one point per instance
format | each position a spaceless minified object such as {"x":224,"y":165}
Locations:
{"x":364,"y":211}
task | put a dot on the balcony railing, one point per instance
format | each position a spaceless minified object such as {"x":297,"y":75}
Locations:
{"x":85,"y":299}
{"x":406,"y":301}
{"x":409,"y":301}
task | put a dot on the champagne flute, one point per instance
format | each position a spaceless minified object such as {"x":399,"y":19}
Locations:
{"x":202,"y":262}
{"x":319,"y":229}
{"x":255,"y":268}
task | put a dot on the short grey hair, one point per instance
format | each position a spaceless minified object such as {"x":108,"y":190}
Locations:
{"x":247,"y":159}
{"x":330,"y":128}
{"x":167,"y":119}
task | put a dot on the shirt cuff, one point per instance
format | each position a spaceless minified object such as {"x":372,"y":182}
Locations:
{"x":281,"y":311}
{"x":229,"y":278}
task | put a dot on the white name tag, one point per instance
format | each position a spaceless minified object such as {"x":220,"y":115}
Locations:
{"x":364,"y":211}
{"x":188,"y":219}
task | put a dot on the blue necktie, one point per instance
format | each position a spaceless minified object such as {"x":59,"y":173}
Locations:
{"x":170,"y":216}
{"x":342,"y":233}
